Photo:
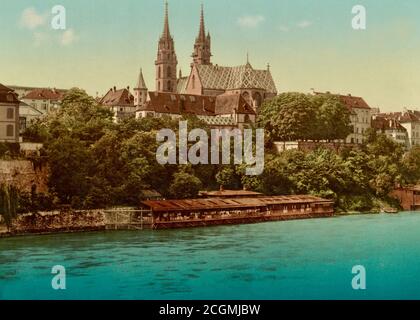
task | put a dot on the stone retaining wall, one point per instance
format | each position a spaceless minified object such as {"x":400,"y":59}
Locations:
{"x":56,"y":221}
{"x":23,"y":175}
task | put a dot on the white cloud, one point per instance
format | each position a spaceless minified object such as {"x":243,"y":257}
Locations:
{"x":284,"y":28}
{"x":68,"y":37}
{"x":31,"y":19}
{"x":250,"y":21}
{"x":304,"y":24}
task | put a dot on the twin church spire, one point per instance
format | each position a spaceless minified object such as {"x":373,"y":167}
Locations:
{"x":166,"y":62}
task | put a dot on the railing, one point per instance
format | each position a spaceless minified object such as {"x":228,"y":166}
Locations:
{"x":127,"y":219}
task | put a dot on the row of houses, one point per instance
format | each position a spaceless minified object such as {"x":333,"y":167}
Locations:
{"x":20,"y":106}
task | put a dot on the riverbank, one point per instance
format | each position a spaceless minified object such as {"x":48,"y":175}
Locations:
{"x":4,"y":233}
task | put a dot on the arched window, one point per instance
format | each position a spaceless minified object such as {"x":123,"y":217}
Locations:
{"x":158,"y":85}
{"x":169,"y":72}
{"x":246,"y":96}
{"x":257,"y":99}
{"x":160,"y":72}
{"x":169,"y":86}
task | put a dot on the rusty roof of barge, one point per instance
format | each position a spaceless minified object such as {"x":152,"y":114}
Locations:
{"x":230,"y":203}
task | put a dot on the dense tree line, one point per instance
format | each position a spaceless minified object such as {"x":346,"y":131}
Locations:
{"x":97,"y":163}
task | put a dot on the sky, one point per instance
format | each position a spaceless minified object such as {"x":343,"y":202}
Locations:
{"x":308,"y":44}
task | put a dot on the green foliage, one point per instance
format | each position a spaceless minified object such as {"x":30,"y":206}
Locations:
{"x":289,"y":116}
{"x":184,"y":185}
{"x":96,"y":163}
{"x":411,"y":165}
{"x":297,"y":116}
{"x":332,"y":118}
{"x":9,"y":150}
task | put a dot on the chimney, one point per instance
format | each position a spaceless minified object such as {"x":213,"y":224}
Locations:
{"x":115,"y":88}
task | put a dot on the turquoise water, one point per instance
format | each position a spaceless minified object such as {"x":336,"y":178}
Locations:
{"x":307,"y":259}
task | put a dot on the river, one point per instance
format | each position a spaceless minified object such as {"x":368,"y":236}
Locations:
{"x":305,"y":259}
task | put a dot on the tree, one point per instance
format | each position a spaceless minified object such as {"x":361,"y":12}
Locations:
{"x":184,"y":185}
{"x":69,"y":160}
{"x":288,"y":117}
{"x":333,"y":118}
{"x":228,"y":177}
{"x":411,"y":165}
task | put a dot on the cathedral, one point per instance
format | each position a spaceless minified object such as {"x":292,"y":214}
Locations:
{"x":220,"y":95}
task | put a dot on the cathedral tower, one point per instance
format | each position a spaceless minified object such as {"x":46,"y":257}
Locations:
{"x":202,"y":46}
{"x":166,"y":62}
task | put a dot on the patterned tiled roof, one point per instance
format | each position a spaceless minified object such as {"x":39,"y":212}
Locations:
{"x":241,"y":77}
{"x":181,"y":85}
{"x":217,"y":120}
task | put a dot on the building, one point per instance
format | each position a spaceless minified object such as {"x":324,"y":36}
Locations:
{"x":167,"y":214}
{"x":223,"y":111}
{"x":22,"y":91}
{"x":392,"y":128}
{"x":360,"y":115}
{"x":27,"y":115}
{"x":207,"y":79}
{"x":409,"y":197}
{"x":44,"y":100}
{"x":120,"y":102}
{"x":410,"y":120}
{"x":9,"y":115}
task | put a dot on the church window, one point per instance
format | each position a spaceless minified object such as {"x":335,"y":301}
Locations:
{"x":169,"y":72}
{"x":257,"y":99}
{"x":169,"y":86}
{"x":160,"y":72}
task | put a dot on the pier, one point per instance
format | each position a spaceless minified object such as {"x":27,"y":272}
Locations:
{"x":170,"y":214}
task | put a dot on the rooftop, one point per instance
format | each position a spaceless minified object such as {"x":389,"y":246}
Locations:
{"x":230,"y":203}
{"x":44,"y":94}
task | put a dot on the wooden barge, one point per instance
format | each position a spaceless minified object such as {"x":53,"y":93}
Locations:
{"x":170,"y":214}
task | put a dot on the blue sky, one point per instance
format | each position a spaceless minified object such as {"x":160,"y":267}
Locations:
{"x":308,"y":43}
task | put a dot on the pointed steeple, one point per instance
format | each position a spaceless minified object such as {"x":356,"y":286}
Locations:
{"x":202,"y":31}
{"x":202,"y":46}
{"x":141,"y":84}
{"x":248,"y":65}
{"x":166,"y":33}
